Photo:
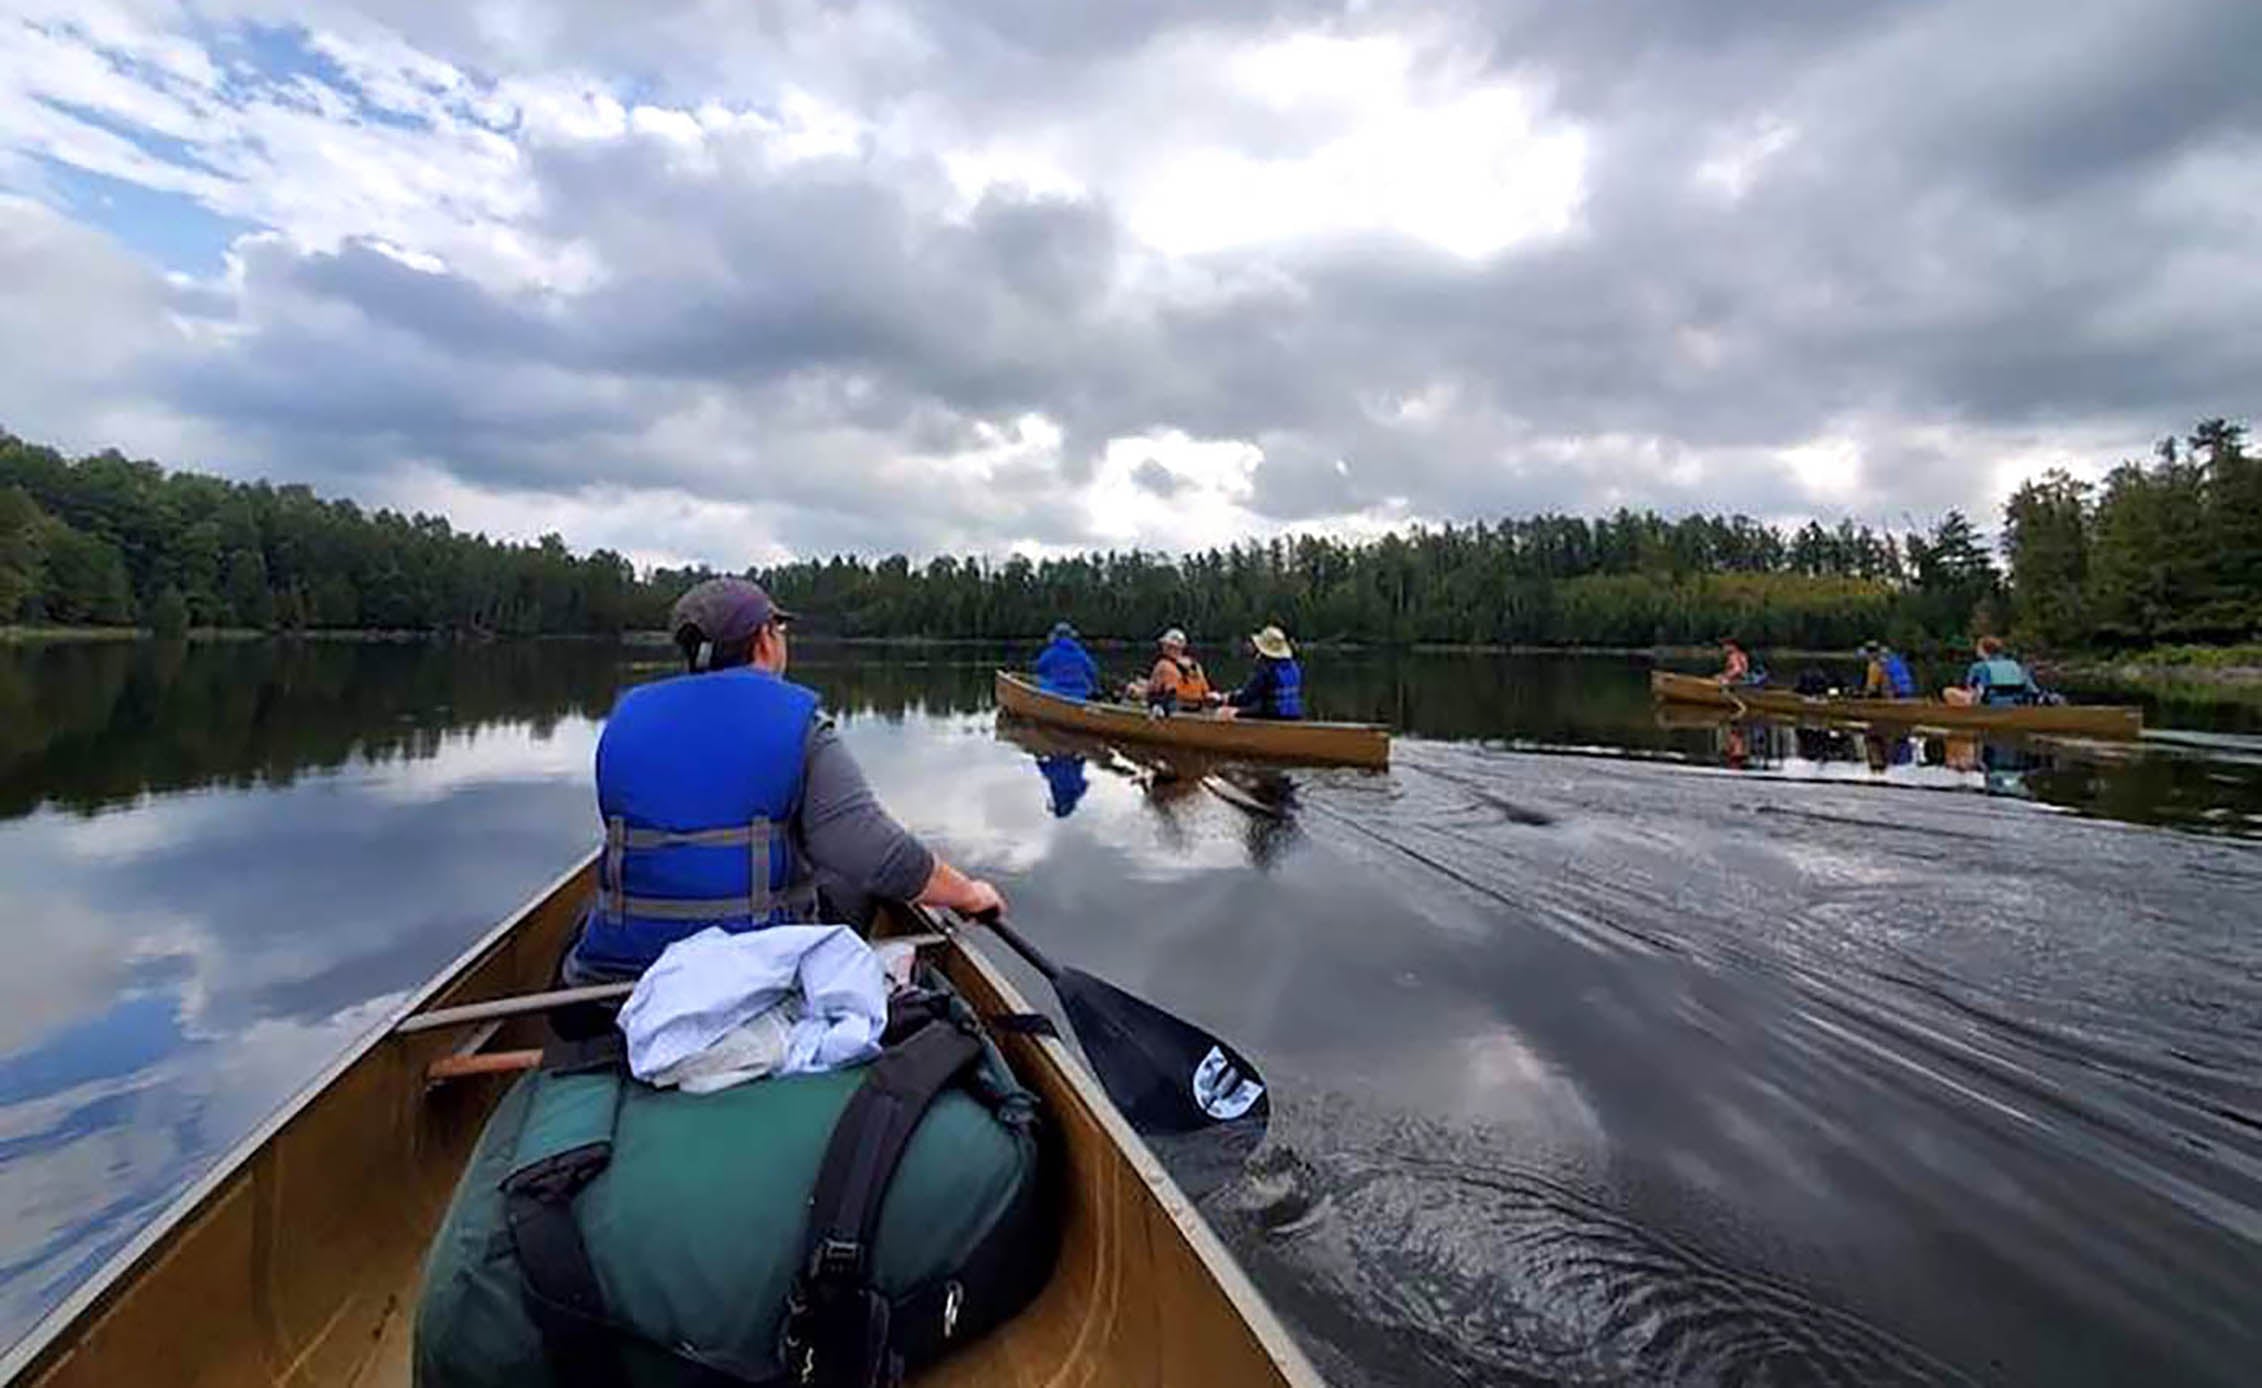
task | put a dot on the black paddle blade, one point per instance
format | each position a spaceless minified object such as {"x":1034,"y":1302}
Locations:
{"x":1167,"y":1075}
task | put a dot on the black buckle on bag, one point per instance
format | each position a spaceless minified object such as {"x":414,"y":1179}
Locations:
{"x":836,"y":1335}
{"x":836,"y":1260}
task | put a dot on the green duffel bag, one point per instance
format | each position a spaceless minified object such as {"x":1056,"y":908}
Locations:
{"x":833,"y":1229}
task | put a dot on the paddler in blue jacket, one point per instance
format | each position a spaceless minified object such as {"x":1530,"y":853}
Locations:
{"x":1888,"y":676}
{"x":1064,"y":667}
{"x":729,"y":800}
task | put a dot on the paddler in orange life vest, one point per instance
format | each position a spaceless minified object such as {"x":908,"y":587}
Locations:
{"x":1177,"y":681}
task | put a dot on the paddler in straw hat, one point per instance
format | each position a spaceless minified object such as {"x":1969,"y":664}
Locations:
{"x":1275,"y":689}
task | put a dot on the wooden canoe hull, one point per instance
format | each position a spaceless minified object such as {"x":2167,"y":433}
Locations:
{"x":2066,"y":719}
{"x":296,"y":1262}
{"x":1330,"y":744}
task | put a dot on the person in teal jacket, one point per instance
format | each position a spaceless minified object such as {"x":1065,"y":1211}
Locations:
{"x":1998,"y":680}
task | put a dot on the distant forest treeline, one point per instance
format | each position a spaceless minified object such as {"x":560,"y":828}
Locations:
{"x":2166,"y":551}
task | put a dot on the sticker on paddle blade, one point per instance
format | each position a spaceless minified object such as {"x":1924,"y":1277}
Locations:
{"x":1223,"y":1092}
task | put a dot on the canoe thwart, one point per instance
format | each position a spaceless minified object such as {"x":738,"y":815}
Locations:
{"x":525,"y":1004}
{"x":457,"y":1067}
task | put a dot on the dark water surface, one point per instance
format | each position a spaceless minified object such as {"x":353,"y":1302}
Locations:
{"x":1606,"y":1048}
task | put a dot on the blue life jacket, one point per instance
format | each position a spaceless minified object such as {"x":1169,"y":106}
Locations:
{"x":697,"y":780}
{"x":1065,"y":668}
{"x":2001,"y":681}
{"x":1898,"y":680}
{"x":1285,"y":696}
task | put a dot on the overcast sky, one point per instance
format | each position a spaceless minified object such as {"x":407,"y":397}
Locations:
{"x":727,"y":281}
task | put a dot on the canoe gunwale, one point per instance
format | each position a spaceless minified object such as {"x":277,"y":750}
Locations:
{"x":117,"y":1271}
{"x":2067,"y":720}
{"x":1309,"y":742}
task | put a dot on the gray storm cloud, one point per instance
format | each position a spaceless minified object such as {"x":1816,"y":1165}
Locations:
{"x":1929,"y":243}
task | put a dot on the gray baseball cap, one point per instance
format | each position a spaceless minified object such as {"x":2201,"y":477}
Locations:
{"x":726,"y":610}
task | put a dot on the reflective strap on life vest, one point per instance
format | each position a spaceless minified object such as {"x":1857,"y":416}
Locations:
{"x":616,"y":849}
{"x":759,"y":901}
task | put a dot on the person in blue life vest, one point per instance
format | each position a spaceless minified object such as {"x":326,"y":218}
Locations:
{"x":729,"y":800}
{"x":1888,"y":676}
{"x":1064,"y":667}
{"x":1997,"y":680}
{"x":1275,"y":689}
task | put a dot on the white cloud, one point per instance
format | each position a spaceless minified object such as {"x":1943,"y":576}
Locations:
{"x":1386,"y":139}
{"x":888,"y":274}
{"x":487,"y":756}
{"x":1739,"y":158}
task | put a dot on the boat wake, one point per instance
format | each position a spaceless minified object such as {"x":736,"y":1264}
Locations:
{"x":1711,"y":1079}
{"x":1426,"y":1251}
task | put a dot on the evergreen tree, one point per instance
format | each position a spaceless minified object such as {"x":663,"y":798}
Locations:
{"x":2046,"y":539}
{"x":168,"y":615}
{"x":84,"y":579}
{"x":23,"y":532}
{"x":249,"y":599}
{"x":2234,"y":507}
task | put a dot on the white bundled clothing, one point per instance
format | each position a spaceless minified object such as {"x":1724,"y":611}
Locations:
{"x":717,"y":1009}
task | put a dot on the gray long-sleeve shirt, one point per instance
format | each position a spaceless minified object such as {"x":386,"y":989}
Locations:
{"x":840,"y":828}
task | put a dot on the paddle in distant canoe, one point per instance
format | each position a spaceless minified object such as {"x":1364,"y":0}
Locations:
{"x":2074,"y":720}
{"x":1335,"y":744}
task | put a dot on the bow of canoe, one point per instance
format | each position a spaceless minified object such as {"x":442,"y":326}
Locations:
{"x":296,"y":1260}
{"x":1334,"y":744}
{"x":2073,"y":720}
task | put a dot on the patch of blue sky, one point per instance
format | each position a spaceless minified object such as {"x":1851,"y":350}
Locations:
{"x":167,"y":148}
{"x":254,"y":57}
{"x":172,"y":229}
{"x":278,"y":59}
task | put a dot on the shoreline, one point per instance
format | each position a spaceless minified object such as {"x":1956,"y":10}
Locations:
{"x":2170,"y":678}
{"x":46,"y":635}
{"x":2194,"y":671}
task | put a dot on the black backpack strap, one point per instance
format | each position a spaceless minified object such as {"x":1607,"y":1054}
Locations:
{"x":563,"y":1296}
{"x":836,"y":1331}
{"x":913,"y":1008}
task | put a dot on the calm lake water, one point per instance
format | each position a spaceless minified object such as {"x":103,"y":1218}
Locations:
{"x":1606,"y":1049}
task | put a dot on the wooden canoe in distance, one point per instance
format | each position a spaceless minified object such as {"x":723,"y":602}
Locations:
{"x":2074,"y":720}
{"x":295,"y":1262}
{"x":1330,"y":744}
